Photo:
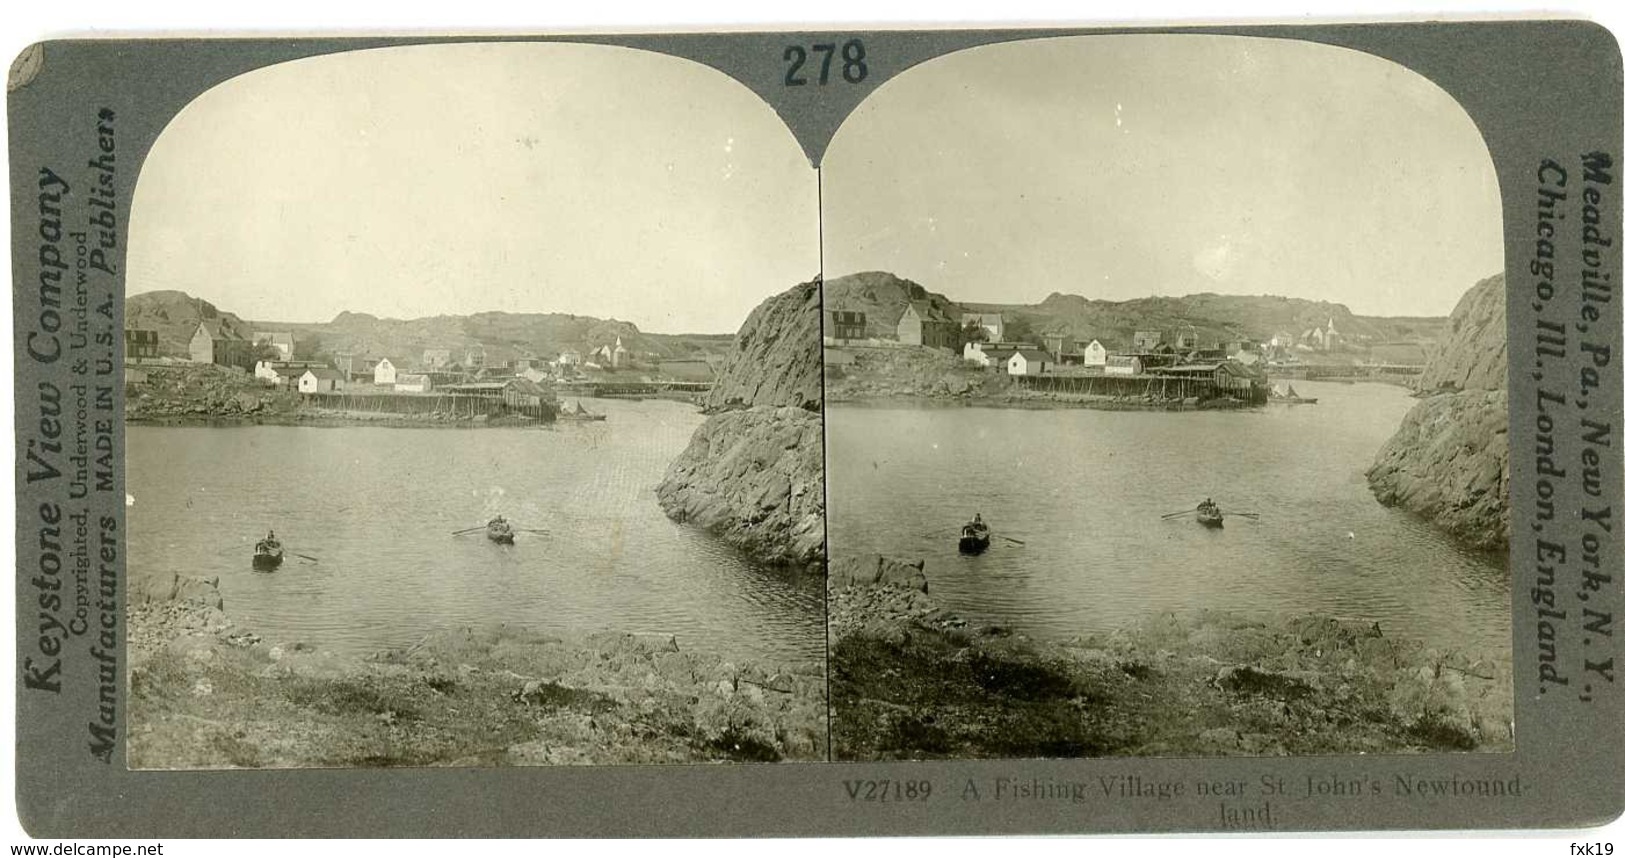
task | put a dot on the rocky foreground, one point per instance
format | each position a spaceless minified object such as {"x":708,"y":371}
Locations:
{"x":205,"y":693}
{"x":1448,"y":461}
{"x":909,"y":680}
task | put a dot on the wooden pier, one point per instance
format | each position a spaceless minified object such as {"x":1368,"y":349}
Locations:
{"x":453,"y":404}
{"x":1197,"y":387}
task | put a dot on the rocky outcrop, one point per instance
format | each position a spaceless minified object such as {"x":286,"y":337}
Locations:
{"x":753,"y":474}
{"x":1448,"y":461}
{"x":1473,"y":353}
{"x":754,"y":478}
{"x":776,"y":359}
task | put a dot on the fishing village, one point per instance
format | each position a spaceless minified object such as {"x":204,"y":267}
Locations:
{"x":889,"y":337}
{"x":1158,"y":424}
{"x":511,"y":607}
{"x":210,"y":365}
{"x":961,"y":638}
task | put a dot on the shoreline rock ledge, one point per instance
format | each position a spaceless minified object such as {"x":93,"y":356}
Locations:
{"x":753,"y":473}
{"x":1448,"y":461}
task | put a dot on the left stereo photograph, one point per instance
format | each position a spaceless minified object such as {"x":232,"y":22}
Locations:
{"x":473,"y":407}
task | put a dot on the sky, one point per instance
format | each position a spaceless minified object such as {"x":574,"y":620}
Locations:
{"x":1125,"y":166}
{"x":453,"y":179}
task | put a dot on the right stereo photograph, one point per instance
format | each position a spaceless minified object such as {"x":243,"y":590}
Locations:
{"x":1166,"y":409}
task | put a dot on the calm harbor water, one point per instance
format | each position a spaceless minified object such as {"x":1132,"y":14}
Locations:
{"x":376,"y":507}
{"x":1085,"y":490}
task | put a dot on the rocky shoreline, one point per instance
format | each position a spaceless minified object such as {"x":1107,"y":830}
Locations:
{"x":205,"y":693}
{"x":921,"y":376}
{"x":207,"y":395}
{"x":323,"y":417}
{"x":1448,"y":463}
{"x":910,"y":680}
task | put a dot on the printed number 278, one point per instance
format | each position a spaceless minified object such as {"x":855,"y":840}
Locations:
{"x":853,"y":68}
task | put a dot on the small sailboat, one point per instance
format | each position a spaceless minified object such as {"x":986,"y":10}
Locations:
{"x":577,"y":412}
{"x":1290,"y":396}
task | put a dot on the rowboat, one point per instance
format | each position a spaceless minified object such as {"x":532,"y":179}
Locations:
{"x":974,"y":539}
{"x":577,"y":412}
{"x":498,"y":530}
{"x":1208,"y":515}
{"x":1291,"y":397}
{"x":267,"y":555}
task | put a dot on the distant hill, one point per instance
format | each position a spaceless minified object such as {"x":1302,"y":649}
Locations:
{"x":882,"y":296}
{"x":503,"y":336}
{"x":175,"y":316}
{"x":1215,"y":318}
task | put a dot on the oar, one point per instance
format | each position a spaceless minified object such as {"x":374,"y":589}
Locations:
{"x":1248,"y":514}
{"x":467,"y":530}
{"x":1183,"y":512}
{"x":530,"y":530}
{"x":305,"y":556}
{"x":1016,"y":541}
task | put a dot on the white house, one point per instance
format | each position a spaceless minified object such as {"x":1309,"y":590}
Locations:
{"x":282,"y":341}
{"x":412,"y":382}
{"x":992,"y":323}
{"x":974,"y":353}
{"x":384,"y":372}
{"x":321,"y":380}
{"x":1029,"y":362}
{"x":282,"y":372}
{"x":1094,"y":354}
{"x":1123,"y":365}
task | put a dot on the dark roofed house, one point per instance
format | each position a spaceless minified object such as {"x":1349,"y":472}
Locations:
{"x":922,"y":324}
{"x":140,"y":344}
{"x":216,"y":344}
{"x":842,"y":325}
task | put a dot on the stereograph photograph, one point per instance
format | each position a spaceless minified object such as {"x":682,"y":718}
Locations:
{"x":473,"y":408}
{"x":1167,"y":412}
{"x":1037,"y":431}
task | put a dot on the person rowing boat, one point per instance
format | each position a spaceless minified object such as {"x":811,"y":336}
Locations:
{"x":498,"y":530}
{"x":268,"y":552}
{"x":975,"y":536}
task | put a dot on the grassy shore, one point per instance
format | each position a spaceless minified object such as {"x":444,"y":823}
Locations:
{"x":911,"y":681}
{"x":205,"y":693}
